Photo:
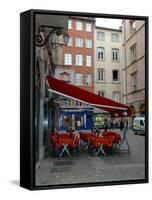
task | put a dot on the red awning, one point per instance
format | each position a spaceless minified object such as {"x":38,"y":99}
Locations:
{"x":78,"y":94}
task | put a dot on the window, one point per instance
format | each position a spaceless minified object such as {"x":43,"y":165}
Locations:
{"x":79,"y":26}
{"x":79,"y":42}
{"x":100,"y":36}
{"x":70,"y":42}
{"x":78,"y":103}
{"x":88,"y":61}
{"x":116,"y":96}
{"x":65,"y":76}
{"x":69,"y":24}
{"x":66,"y":119}
{"x":115,"y":37}
{"x":88,"y":27}
{"x":100,"y":53}
{"x":115,"y":54}
{"x":65,"y":101}
{"x":101,"y":93}
{"x":88,"y":79}
{"x":101,"y":74}
{"x":134,"y":81}
{"x":132,"y":27}
{"x":133,"y":53}
{"x":115,"y":76}
{"x":88,"y":43}
{"x":68,"y":59}
{"x":79,"y":60}
{"x":78,"y":79}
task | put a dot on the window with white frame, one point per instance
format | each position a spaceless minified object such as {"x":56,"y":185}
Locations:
{"x":79,"y":26}
{"x":101,"y":74}
{"x":116,"y":96}
{"x":88,"y":27}
{"x":88,"y":79}
{"x":78,"y":79}
{"x":134,"y":81}
{"x":88,"y":43}
{"x":79,"y":42}
{"x":115,"y":54}
{"x":101,"y":93}
{"x":68,"y":59}
{"x":132,"y":27}
{"x":100,"y":53}
{"x":133,"y":53}
{"x":88,"y":61}
{"x":115,"y":37}
{"x":70,"y":42}
{"x":115,"y":75}
{"x":100,"y":36}
{"x":69,"y":24}
{"x":79,"y":60}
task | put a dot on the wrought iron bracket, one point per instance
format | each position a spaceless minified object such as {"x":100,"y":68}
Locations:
{"x":40,"y":41}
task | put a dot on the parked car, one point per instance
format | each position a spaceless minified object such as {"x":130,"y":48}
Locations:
{"x":139,"y":125}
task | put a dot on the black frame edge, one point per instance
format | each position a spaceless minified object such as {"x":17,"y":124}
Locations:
{"x":26,"y":143}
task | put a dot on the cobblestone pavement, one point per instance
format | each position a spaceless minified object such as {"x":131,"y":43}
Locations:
{"x":87,"y":168}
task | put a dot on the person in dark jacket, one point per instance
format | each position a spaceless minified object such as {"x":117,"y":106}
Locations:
{"x":106,"y":124}
{"x":121,"y":124}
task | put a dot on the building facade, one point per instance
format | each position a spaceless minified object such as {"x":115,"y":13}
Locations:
{"x":134,"y":65}
{"x":46,"y":57}
{"x":78,"y":69}
{"x":108,"y":64}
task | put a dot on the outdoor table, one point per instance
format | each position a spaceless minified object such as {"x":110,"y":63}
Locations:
{"x":62,"y":142}
{"x":64,"y":135}
{"x":99,"y":142}
{"x":116,"y":136}
{"x":65,"y":142}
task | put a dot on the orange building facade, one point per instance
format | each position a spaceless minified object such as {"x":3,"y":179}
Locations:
{"x":81,"y":53}
{"x":77,"y":68}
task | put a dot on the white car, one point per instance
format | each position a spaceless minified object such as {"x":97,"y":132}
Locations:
{"x":139,"y":125}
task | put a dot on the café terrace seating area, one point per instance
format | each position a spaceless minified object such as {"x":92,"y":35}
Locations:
{"x":95,"y":142}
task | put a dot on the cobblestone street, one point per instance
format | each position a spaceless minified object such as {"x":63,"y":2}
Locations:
{"x":87,"y":168}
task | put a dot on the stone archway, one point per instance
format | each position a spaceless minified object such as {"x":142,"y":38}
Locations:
{"x":142,"y":109}
{"x":133,"y":110}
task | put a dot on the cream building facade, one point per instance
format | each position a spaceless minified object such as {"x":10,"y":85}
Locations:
{"x":133,"y":50}
{"x":108,"y":63}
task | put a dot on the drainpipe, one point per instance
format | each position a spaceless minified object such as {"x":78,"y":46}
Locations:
{"x":125,"y":57}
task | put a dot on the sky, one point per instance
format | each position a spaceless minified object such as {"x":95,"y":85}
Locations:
{"x":108,"y":23}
